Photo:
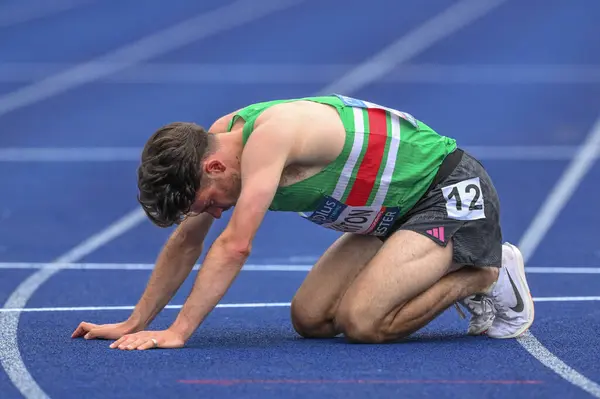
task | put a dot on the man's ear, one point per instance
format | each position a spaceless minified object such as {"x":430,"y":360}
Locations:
{"x":213,"y":166}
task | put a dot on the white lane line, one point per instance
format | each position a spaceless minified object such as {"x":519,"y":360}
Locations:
{"x":542,"y":222}
{"x":131,"y":307}
{"x":246,"y":73}
{"x":563,"y":270}
{"x":248,"y":267}
{"x":567,"y":299}
{"x":74,"y":154}
{"x":136,"y":266}
{"x":132,"y":154}
{"x":550,"y":360}
{"x":20,"y":12}
{"x":199,"y":27}
{"x":240,"y":305}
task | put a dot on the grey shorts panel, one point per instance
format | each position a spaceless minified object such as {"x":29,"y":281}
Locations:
{"x":476,"y":242}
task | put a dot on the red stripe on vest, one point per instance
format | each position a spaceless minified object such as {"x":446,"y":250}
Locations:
{"x":369,"y":167}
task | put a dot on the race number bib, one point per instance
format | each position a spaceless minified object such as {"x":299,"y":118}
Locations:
{"x":464,"y":200}
{"x":332,"y":214}
{"x":353,"y":102}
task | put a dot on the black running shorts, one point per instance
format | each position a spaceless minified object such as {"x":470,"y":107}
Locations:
{"x":462,"y":205}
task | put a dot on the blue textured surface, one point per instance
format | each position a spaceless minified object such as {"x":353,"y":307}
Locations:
{"x":48,"y":208}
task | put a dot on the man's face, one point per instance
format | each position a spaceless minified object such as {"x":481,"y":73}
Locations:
{"x":220,"y":190}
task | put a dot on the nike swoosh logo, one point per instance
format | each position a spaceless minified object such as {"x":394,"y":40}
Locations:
{"x":519,"y":306}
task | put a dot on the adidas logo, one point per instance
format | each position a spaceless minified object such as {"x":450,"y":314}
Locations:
{"x":437,"y":232}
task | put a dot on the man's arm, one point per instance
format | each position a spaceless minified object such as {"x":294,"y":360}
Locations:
{"x":261,"y":170}
{"x":173,"y":265}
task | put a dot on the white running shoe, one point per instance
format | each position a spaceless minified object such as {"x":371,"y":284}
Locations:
{"x":511,"y":297}
{"x":482,"y":313}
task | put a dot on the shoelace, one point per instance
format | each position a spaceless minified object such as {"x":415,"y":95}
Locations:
{"x":485,"y":303}
{"x":500,"y":309}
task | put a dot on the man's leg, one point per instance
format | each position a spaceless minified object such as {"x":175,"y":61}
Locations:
{"x":406,"y":284}
{"x":315,"y":303}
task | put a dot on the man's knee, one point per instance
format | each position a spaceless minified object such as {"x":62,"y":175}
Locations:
{"x":310,"y":323}
{"x":359,"y":325}
{"x":357,"y":330}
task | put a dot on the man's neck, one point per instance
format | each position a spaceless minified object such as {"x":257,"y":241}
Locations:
{"x":231,"y":143}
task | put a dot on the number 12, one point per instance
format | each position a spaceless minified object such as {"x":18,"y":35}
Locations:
{"x":473,"y":205}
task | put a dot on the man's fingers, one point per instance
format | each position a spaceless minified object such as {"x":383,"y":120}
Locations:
{"x":135,"y":344}
{"x":141,"y":341}
{"x":127,"y":341}
{"x":119,"y":341}
{"x":78,"y":332}
{"x":82,"y":328}
{"x":93,"y":333}
{"x":146,"y":345}
{"x":99,"y":332}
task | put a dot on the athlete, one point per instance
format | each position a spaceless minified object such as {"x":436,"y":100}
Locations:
{"x":419,"y":217}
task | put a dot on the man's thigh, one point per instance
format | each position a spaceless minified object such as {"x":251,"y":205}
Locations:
{"x":315,"y":302}
{"x":407,"y":264}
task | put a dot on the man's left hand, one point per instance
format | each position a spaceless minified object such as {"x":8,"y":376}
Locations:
{"x":149,"y":340}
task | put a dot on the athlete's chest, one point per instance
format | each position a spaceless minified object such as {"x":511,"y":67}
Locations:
{"x":294,"y":174}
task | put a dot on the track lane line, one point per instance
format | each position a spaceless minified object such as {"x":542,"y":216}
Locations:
{"x":239,"y":305}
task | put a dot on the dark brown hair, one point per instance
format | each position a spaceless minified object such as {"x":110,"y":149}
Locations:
{"x":170,"y":171}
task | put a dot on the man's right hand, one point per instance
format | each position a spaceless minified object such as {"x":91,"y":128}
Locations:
{"x":104,"y":331}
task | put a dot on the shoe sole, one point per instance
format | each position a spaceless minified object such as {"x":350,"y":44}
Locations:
{"x":528,"y":300}
{"x":481,"y":331}
{"x":475,"y":331}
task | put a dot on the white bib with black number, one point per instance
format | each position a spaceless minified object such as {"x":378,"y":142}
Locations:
{"x":464,"y":200}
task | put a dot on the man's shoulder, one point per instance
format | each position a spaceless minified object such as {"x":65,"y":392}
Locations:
{"x":221,"y":125}
{"x":284,"y":113}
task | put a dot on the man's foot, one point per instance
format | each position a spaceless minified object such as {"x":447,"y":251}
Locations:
{"x":482,"y":313}
{"x":511,"y":297}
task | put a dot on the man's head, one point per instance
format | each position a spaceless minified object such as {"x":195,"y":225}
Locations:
{"x":186,"y":170}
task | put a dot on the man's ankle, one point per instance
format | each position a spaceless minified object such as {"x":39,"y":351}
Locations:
{"x":493,"y":273}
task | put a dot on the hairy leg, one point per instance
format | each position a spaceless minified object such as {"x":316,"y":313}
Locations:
{"x":409,"y":282}
{"x":315,"y":303}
